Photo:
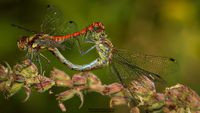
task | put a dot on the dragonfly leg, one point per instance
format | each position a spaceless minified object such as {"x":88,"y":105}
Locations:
{"x":81,"y":51}
{"x":79,"y":45}
{"x":27,"y":54}
{"x":48,"y":61}
{"x":31,"y":55}
{"x":86,"y":39}
{"x":9,"y":68}
{"x":87,"y":51}
{"x":39,"y":62}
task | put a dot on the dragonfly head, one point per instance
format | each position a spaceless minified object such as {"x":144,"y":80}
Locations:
{"x":23,"y":43}
{"x":98,"y":26}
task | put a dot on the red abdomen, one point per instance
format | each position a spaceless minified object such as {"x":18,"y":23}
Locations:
{"x":93,"y":27}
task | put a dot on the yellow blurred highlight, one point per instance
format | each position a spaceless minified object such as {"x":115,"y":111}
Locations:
{"x":179,"y":10}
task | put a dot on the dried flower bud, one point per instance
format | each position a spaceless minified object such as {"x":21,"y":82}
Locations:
{"x":44,"y":84}
{"x":70,"y":94}
{"x":62,"y":107}
{"x":27,"y":69}
{"x":13,"y":89}
{"x":79,"y":80}
{"x":64,"y":83}
{"x":117,"y":100}
{"x":143,"y":85}
{"x":66,"y":95}
{"x":93,"y":82}
{"x":92,"y":79}
{"x":3,"y":72}
{"x":4,"y":86}
{"x":27,"y":62}
{"x":97,"y":88}
{"x":19,"y":78}
{"x":57,"y":74}
{"x":181,"y":98}
{"x":113,"y":88}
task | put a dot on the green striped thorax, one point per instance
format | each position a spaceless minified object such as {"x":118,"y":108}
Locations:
{"x":104,"y":46}
{"x":97,"y":36}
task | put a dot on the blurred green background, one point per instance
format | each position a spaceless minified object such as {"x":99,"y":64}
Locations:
{"x":160,"y":27}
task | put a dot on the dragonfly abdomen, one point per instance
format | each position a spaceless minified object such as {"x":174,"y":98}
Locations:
{"x":96,"y":26}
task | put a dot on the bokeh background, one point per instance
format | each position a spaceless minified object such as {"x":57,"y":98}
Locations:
{"x":160,"y":27}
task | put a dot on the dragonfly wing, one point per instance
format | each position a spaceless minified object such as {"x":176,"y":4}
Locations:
{"x":162,"y":66}
{"x":68,"y":27}
{"x":52,"y":20}
{"x":54,"y":23}
{"x":127,"y":71}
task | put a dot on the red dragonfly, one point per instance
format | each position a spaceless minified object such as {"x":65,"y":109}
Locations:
{"x":55,"y":28}
{"x":54,"y":31}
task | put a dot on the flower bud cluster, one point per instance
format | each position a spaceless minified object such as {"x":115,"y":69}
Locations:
{"x":140,"y":93}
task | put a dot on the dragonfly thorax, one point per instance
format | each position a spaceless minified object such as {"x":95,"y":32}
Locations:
{"x":32,"y":43}
{"x":104,"y":48}
{"x":98,"y":36}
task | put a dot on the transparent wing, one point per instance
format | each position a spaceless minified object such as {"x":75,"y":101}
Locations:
{"x":129,"y":65}
{"x":68,"y":27}
{"x":155,"y":64}
{"x":54,"y":23}
{"x":52,"y":20}
{"x":127,"y":71}
{"x":126,"y":74}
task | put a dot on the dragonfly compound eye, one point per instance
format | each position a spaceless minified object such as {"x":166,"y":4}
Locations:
{"x":23,"y":43}
{"x":96,"y":28}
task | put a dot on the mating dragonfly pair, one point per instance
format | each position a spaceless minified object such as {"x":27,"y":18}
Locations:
{"x":126,"y":65}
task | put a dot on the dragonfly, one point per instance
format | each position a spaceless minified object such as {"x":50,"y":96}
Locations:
{"x":126,"y":65}
{"x":54,"y":31}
